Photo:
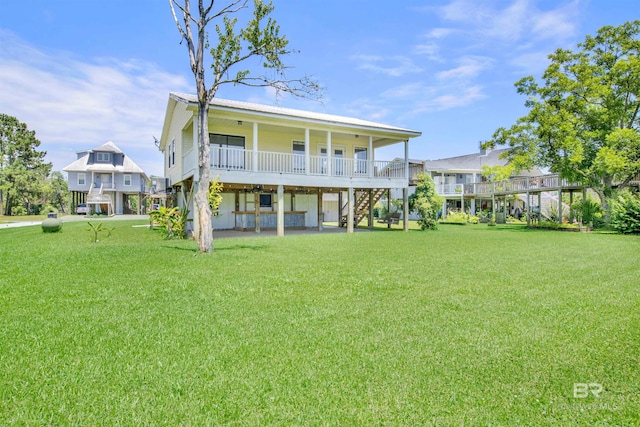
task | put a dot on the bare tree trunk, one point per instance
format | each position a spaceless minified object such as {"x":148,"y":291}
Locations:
{"x":205,"y":239}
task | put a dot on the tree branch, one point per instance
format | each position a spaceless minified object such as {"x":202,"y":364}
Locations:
{"x":226,"y":10}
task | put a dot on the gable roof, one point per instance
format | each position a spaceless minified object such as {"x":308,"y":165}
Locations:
{"x":81,"y":165}
{"x":473,"y":163}
{"x":268,"y":110}
{"x":468,"y":162}
{"x":107,"y":147}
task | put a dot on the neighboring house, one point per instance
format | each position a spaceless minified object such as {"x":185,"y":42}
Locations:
{"x":103,"y":179}
{"x":452,"y":173}
{"x":277,"y":164}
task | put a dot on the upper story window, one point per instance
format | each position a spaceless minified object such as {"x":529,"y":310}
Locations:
{"x":82,"y":179}
{"x":171,"y":153}
{"x":360,"y":156}
{"x":103,"y":157}
{"x":227,"y":151}
{"x":127,"y":180}
{"x":298,"y":158}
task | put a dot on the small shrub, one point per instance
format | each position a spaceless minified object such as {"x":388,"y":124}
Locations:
{"x":171,"y":221}
{"x":45,"y":209}
{"x":625,"y":213}
{"x":457,"y":217}
{"x":18,"y":211}
{"x":588,"y":212}
{"x":97,"y":229}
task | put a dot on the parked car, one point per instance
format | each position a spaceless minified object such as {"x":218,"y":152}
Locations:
{"x":82,"y":209}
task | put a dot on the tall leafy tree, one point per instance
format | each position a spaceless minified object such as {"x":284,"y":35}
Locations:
{"x":231,"y":53}
{"x":56,"y":191}
{"x":426,"y":202}
{"x":22,"y":166}
{"x":583,"y":119}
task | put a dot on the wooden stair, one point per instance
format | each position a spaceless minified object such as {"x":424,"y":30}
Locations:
{"x":361,"y":206}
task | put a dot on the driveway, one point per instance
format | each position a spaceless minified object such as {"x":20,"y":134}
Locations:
{"x":71,"y":218}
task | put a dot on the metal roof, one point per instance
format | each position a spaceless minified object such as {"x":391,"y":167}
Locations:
{"x":249,"y":107}
{"x":81,"y":165}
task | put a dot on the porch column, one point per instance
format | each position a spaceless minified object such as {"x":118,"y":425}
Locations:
{"x":539,"y":207}
{"x":473,"y":206}
{"x":280,"y":210}
{"x":370,"y":219}
{"x":442,"y":185}
{"x":339,"y":208}
{"x":571,"y":204}
{"x":255,"y":148}
{"x":307,"y":154}
{"x":406,"y":160}
{"x":528,"y":209}
{"x":320,"y":216}
{"x":388,"y":206}
{"x":329,"y":153}
{"x":405,"y":208}
{"x":350,"y":204}
{"x":493,"y":204}
{"x":370,"y":159}
{"x":256,"y":209}
{"x":560,"y":205}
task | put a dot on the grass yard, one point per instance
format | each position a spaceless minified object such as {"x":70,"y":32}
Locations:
{"x":470,"y":325}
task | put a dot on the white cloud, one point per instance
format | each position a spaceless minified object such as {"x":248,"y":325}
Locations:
{"x":438,"y":33}
{"x":460,"y":97}
{"x":76,"y":103}
{"x":518,"y":20}
{"x":409,"y":91}
{"x":469,"y":67}
{"x":394,"y":66}
{"x":530,"y":63}
{"x":430,"y":49}
{"x":556,"y":24}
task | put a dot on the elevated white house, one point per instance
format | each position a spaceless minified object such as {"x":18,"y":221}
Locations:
{"x":277,"y":163}
{"x":103,"y":178}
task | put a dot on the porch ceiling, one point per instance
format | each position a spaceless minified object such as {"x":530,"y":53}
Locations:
{"x":360,"y":136}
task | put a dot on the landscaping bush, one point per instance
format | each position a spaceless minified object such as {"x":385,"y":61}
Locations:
{"x":589,"y":212}
{"x":18,"y":211}
{"x":171,"y":221}
{"x":625,"y":212}
{"x":457,"y":217}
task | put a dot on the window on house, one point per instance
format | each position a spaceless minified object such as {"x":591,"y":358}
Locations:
{"x":127,"y":180}
{"x":360,"y":156}
{"x":265,"y":200}
{"x":227,"y":151}
{"x":103,"y":157}
{"x":82,"y":179}
{"x":298,"y":156}
{"x":171,"y":153}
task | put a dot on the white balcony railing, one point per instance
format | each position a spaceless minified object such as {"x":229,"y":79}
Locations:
{"x":520,"y":185}
{"x":235,"y":159}
{"x":449,"y":189}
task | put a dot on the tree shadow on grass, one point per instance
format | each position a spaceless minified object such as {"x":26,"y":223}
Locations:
{"x":218,"y":249}
{"x":241,"y":247}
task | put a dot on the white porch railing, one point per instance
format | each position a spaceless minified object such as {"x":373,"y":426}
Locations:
{"x":449,"y":189}
{"x":520,"y":185}
{"x":271,"y":162}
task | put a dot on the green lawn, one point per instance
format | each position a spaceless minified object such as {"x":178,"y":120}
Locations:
{"x":470,"y":325}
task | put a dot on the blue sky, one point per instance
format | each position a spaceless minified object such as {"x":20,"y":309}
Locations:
{"x":84,"y":72}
